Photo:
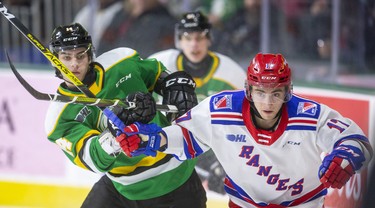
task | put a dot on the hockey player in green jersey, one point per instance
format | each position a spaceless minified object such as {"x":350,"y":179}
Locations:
{"x":213,"y":72}
{"x":83,"y":133}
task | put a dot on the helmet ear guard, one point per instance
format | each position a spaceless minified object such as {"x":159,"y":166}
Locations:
{"x":192,"y":22}
{"x":269,"y":71}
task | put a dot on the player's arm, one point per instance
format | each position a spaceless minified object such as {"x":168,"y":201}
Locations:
{"x":96,"y":149}
{"x":149,"y":138}
{"x":350,"y":150}
{"x":188,"y":137}
{"x":87,"y":148}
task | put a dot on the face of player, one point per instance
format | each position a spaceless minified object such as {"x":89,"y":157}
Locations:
{"x":77,"y":61}
{"x":195,"y":45}
{"x":268,"y":102}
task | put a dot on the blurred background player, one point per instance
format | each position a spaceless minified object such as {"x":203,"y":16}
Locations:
{"x":84,"y":135}
{"x":278,"y":149}
{"x":213,"y":72}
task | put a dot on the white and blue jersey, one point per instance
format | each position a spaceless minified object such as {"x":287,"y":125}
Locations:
{"x":264,"y":168}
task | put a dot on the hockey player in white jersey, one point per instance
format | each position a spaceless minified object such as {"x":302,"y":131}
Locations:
{"x":212,"y":72}
{"x":269,"y":141}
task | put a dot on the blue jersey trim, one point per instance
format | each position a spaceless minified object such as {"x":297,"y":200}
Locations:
{"x":301,"y":128}
{"x":227,"y":122}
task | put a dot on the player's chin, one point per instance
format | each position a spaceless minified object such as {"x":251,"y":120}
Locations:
{"x":268,"y":115}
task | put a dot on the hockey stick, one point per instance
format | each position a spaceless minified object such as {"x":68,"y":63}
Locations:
{"x":78,"y":99}
{"x":45,"y":51}
{"x":57,"y":63}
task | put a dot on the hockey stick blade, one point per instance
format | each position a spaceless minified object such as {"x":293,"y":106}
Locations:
{"x":77,"y":99}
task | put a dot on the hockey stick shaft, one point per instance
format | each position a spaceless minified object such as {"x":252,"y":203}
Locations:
{"x":45,"y":51}
{"x":78,"y":99}
{"x":57,"y":63}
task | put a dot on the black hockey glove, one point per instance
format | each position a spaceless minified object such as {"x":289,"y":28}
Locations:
{"x":144,"y":111}
{"x":178,"y":89}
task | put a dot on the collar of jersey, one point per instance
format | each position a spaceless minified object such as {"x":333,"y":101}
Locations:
{"x":95,"y":87}
{"x":263,"y":136}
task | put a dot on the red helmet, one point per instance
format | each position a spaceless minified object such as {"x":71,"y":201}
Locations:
{"x":271,"y":71}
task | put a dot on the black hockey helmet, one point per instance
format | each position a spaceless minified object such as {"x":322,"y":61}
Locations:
{"x":192,"y":22}
{"x":66,"y":37}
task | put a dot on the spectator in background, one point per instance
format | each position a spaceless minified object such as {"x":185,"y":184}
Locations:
{"x":320,"y":11}
{"x":178,"y":7}
{"x":241,"y":33}
{"x":219,"y":11}
{"x":351,"y":41}
{"x":97,"y":15}
{"x":317,"y":26}
{"x":290,"y":29}
{"x":143,"y":24}
{"x":370,"y":34}
{"x":19,"y":2}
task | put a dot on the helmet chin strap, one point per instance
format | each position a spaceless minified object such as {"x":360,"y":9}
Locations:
{"x":255,"y":110}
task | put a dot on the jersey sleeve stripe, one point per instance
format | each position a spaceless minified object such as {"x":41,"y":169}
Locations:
{"x":227,"y":118}
{"x":191,"y":148}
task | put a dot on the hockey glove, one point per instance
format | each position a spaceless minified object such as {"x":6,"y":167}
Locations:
{"x":340,"y":165}
{"x":178,"y":89}
{"x":108,"y":143}
{"x":139,"y":139}
{"x":144,"y":111}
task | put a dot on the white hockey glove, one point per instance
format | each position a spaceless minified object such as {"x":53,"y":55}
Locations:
{"x":109,"y":144}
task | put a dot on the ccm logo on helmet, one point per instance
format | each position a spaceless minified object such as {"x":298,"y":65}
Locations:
{"x":270,"y":78}
{"x":180,"y":80}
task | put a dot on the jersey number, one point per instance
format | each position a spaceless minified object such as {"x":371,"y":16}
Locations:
{"x":65,"y":145}
{"x":336,"y":124}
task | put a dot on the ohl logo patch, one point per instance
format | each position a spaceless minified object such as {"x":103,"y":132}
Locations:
{"x":236,"y":137}
{"x":222,"y":102}
{"x":307,"y":108}
{"x":83,"y":113}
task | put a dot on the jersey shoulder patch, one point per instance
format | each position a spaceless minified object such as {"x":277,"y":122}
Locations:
{"x":302,"y":107}
{"x":227,"y":101}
